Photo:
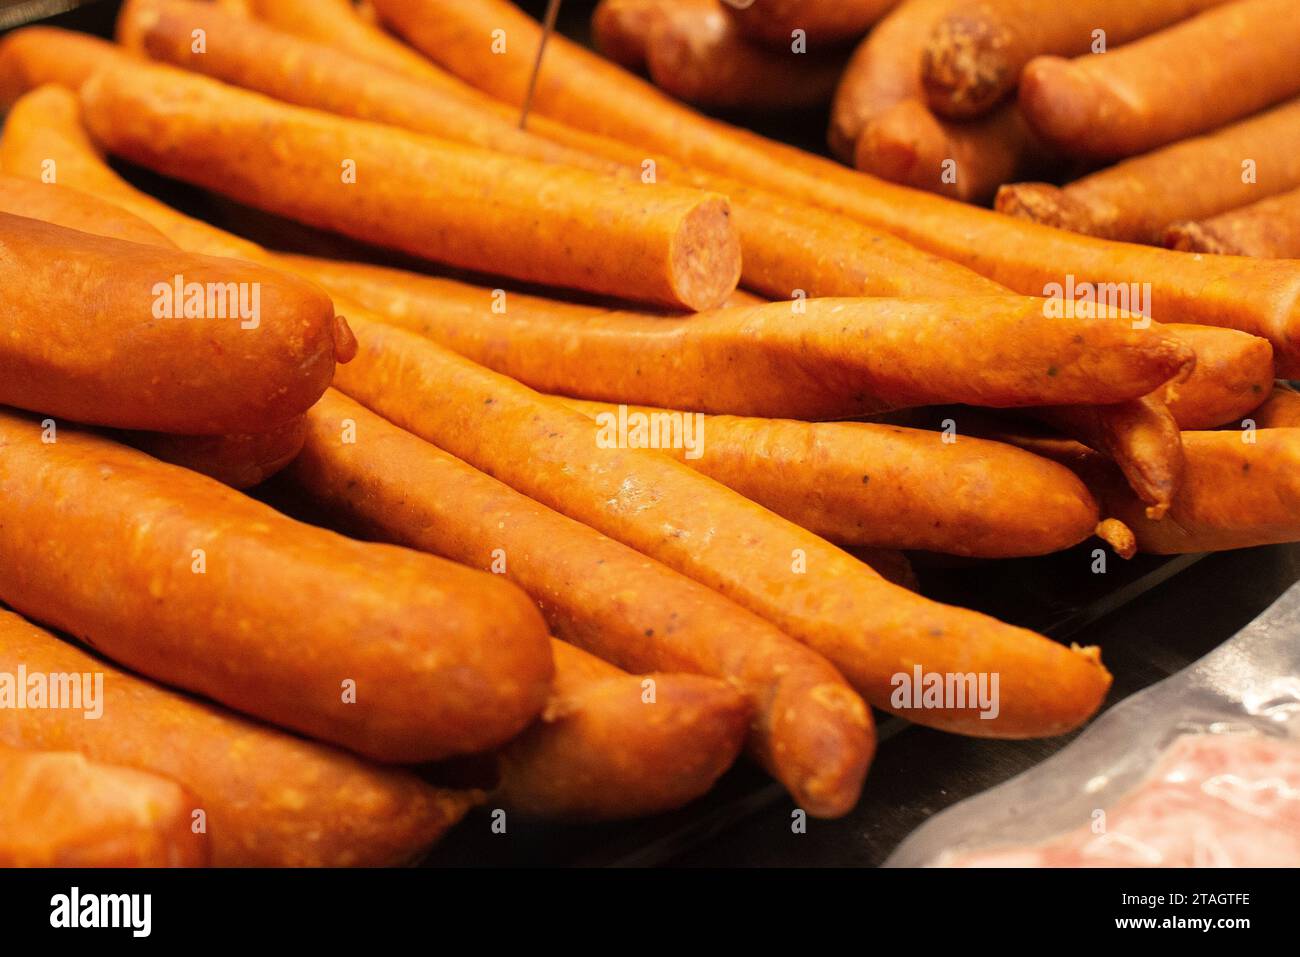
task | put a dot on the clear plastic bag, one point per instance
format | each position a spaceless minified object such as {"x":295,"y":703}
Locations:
{"x":1201,"y":769}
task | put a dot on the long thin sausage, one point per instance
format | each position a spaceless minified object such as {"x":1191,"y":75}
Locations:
{"x":660,"y":244}
{"x":1234,"y":372}
{"x":786,"y":246}
{"x":824,"y":358}
{"x":1260,"y":297}
{"x":1136,"y":200}
{"x":611,"y":745}
{"x":59,"y":810}
{"x":809,"y":729}
{"x":871,"y":630}
{"x":883,"y":486}
{"x":1142,"y":95}
{"x":268,"y":798}
{"x":976,"y":51}
{"x":395,"y":654}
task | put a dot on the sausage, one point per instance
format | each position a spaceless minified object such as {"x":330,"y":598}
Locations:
{"x":908,"y":144}
{"x":164,"y":570}
{"x":1269,"y":229}
{"x":134,"y":344}
{"x":976,"y":50}
{"x":269,"y":798}
{"x":695,"y":51}
{"x":494,"y":213}
{"x":1281,"y":410}
{"x":337,"y":23}
{"x":1234,"y":372}
{"x":871,"y":630}
{"x":1260,"y":297}
{"x":1136,"y":200}
{"x":59,"y":810}
{"x":241,"y":460}
{"x":786,"y":246}
{"x":250,"y":54}
{"x":46,"y":124}
{"x":823,"y":21}
{"x":1143,"y":95}
{"x":74,"y":209}
{"x":883,"y":486}
{"x":35,"y":55}
{"x":885,"y":70}
{"x":1141,"y":437}
{"x":831,"y":358}
{"x":1240,"y":490}
{"x":809,"y":729}
{"x":612,"y":746}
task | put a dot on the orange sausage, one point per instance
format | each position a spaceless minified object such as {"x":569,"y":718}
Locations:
{"x":1144,"y":95}
{"x":871,"y":630}
{"x":824,"y":21}
{"x":612,"y":746}
{"x":262,"y":58}
{"x":786,"y":246}
{"x":338,"y":24}
{"x":134,"y":346}
{"x":1240,"y":490}
{"x":695,"y":51}
{"x":1141,"y":437}
{"x":824,"y":358}
{"x":241,"y":460}
{"x":1280,"y":411}
{"x":809,"y":729}
{"x":908,"y":144}
{"x":1256,"y":296}
{"x":862,"y":484}
{"x":976,"y":51}
{"x":269,"y":798}
{"x":493,"y":213}
{"x":1234,"y":371}
{"x":74,"y":209}
{"x":348,"y":636}
{"x":1268,"y":229}
{"x":1137,"y":199}
{"x":59,"y":810}
{"x":35,"y":55}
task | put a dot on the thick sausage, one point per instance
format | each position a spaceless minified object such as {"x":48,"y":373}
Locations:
{"x":1260,"y":297}
{"x":809,"y":729}
{"x":74,"y":209}
{"x":1194,"y":76}
{"x":823,"y":21}
{"x":872,"y":630}
{"x":976,"y":51}
{"x":1268,"y":229}
{"x":240,"y":460}
{"x":1241,"y":489}
{"x":493,"y":213}
{"x":59,"y":810}
{"x":1137,"y":199}
{"x":269,"y":798}
{"x":150,"y":338}
{"x":1280,"y":411}
{"x":883,"y":486}
{"x":694,"y":51}
{"x":612,"y":746}
{"x":1234,"y":372}
{"x":395,"y":654}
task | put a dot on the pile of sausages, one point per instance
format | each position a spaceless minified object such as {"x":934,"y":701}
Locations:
{"x":483,"y":574}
